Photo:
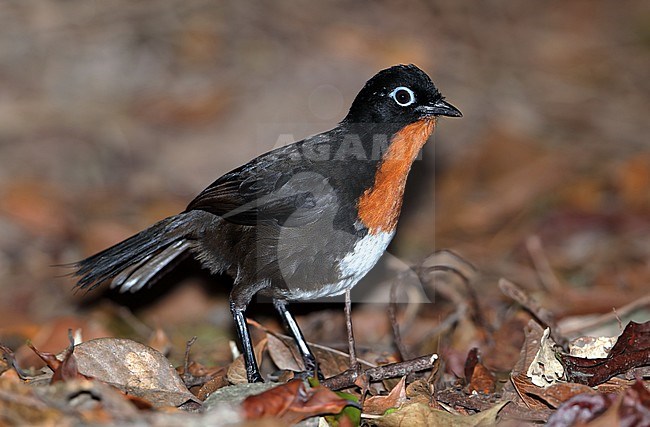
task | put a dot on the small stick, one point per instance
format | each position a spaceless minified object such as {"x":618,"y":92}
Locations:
{"x":10,"y":359}
{"x":347,"y":378}
{"x":547,"y":277}
{"x":615,"y":314}
{"x":540,"y":313}
{"x":354,"y":363}
{"x":186,"y":359}
{"x":392,"y":315}
{"x":477,"y":312}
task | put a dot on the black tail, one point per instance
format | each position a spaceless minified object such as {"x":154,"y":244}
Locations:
{"x":135,"y":261}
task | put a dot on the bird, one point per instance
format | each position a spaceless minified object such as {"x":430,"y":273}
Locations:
{"x":300,"y":222}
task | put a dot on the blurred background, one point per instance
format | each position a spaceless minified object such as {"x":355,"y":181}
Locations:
{"x":116,"y":114}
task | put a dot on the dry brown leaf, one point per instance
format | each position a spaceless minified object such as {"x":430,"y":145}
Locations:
{"x":133,"y":368}
{"x":378,"y":405}
{"x":283,"y":355}
{"x":420,"y":391}
{"x":533,"y":336}
{"x":293,"y":402}
{"x":63,"y":370}
{"x":632,"y":349}
{"x":614,"y":385}
{"x":330,"y":361}
{"x":545,"y":368}
{"x":482,"y":381}
{"x":211,"y":386}
{"x":524,"y":386}
{"x":237,"y":369}
{"x":419,"y":414}
{"x":557,"y":394}
{"x":629,"y":408}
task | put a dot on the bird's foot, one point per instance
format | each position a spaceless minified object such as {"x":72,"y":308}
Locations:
{"x":254,"y":377}
{"x":311,"y":369}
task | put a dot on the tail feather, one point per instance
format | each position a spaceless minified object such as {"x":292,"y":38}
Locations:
{"x":132,"y":280}
{"x":152,"y":249}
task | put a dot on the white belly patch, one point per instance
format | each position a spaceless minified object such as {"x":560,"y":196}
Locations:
{"x":356,"y":264}
{"x":352,"y":268}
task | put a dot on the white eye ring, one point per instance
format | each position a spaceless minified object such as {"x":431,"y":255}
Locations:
{"x":403,"y":96}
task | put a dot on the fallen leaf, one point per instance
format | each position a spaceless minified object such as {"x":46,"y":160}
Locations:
{"x":330,"y":361}
{"x":211,"y":386}
{"x":591,"y":347}
{"x":628,"y":408}
{"x":420,"y":391}
{"x":283,"y":355}
{"x":237,"y":369}
{"x":380,"y":404}
{"x":68,"y":369}
{"x":579,"y":409}
{"x":471,"y":362}
{"x":418,"y":414}
{"x":632,"y":349}
{"x":559,"y":393}
{"x":63,"y":370}
{"x":293,"y":402}
{"x":545,"y":368}
{"x":533,"y":333}
{"x":133,"y":368}
{"x":525,"y":389}
{"x":519,"y":382}
{"x":482,"y":381}
{"x":635,"y":405}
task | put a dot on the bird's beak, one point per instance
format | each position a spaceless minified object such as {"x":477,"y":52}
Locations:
{"x":439,"y":108}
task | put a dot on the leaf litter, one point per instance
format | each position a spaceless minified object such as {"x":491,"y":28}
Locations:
{"x":568,"y":225}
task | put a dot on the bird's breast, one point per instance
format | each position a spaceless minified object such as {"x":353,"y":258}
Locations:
{"x":380,"y":205}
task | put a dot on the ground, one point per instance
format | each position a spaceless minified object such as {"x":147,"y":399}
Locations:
{"x":115,"y":114}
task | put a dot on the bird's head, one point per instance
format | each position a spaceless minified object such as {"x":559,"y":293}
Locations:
{"x":401,"y":95}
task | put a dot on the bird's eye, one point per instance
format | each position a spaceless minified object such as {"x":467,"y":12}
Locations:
{"x":403,"y":96}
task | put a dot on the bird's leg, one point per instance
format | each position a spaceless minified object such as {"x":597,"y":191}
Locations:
{"x":252,"y":370}
{"x":311,"y":365}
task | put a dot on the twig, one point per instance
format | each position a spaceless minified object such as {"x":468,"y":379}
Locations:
{"x":477,"y":312}
{"x":379,"y":373}
{"x":615,"y":314}
{"x":325,"y":348}
{"x":392,"y":316}
{"x":540,"y":313}
{"x":10,"y":359}
{"x":453,"y":318}
{"x":547,"y":277}
{"x":354,"y":363}
{"x":187,"y":377}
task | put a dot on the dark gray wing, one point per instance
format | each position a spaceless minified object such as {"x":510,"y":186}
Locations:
{"x":274,"y":188}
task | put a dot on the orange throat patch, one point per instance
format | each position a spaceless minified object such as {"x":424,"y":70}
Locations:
{"x":380,"y":205}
